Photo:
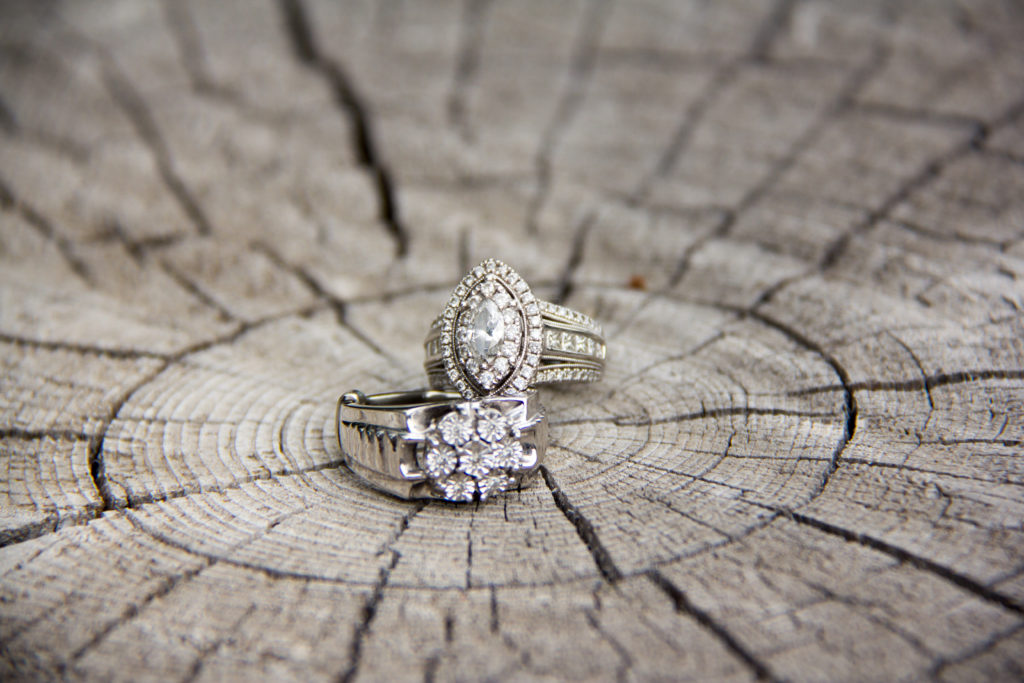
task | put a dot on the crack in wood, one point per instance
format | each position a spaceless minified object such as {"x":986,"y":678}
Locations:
{"x":849,"y":395}
{"x":30,"y":434}
{"x":84,"y":349}
{"x":164,"y":587}
{"x":10,"y":202}
{"x":584,"y":529}
{"x":137,"y":248}
{"x":684,"y":605}
{"x":581,"y":68}
{"x":565,"y":280}
{"x":611,"y":573}
{"x":97,"y":464}
{"x":372,"y":603}
{"x":902,"y":466}
{"x":721,"y":79}
{"x":135,"y":501}
{"x":929,"y":381}
{"x":703,"y":413}
{"x":207,"y":651}
{"x":135,"y":108}
{"x":970,"y":585}
{"x":625,"y":659}
{"x":197,"y":292}
{"x":189,"y":44}
{"x":929,"y":172}
{"x":337,"y":305}
{"x":987,"y":645}
{"x":467,"y":64}
{"x":129,"y":613}
{"x":357,"y":113}
{"x":8,"y":121}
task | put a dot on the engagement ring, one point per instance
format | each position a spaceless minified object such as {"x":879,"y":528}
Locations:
{"x":496,"y":339}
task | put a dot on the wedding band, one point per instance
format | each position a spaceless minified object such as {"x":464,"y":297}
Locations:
{"x":496,"y":338}
{"x":434,"y":444}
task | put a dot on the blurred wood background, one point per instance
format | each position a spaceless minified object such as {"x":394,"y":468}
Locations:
{"x":801,"y":223}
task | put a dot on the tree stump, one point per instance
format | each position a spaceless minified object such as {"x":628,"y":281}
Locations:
{"x":801,"y":223}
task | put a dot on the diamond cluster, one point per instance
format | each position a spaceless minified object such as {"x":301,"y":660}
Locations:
{"x":472,"y":450}
{"x":492,"y":332}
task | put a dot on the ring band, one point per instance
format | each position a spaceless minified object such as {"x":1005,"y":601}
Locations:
{"x":496,"y":338}
{"x":434,"y":444}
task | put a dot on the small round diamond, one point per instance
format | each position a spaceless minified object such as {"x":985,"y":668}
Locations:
{"x":439,"y":460}
{"x":494,"y":456}
{"x":513,"y":455}
{"x":456,"y":428}
{"x":501,"y":366}
{"x":513,"y":328}
{"x":472,"y":460}
{"x":458,"y":487}
{"x":491,"y":425}
{"x":493,"y":483}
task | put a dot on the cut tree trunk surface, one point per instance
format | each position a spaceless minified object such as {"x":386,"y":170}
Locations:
{"x":802,"y":224}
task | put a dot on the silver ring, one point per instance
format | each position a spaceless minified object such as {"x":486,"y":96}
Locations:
{"x":496,"y":339}
{"x":433,"y":444}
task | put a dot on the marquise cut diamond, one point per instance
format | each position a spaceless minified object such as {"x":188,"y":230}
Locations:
{"x":486,"y":329}
{"x":490,"y":335}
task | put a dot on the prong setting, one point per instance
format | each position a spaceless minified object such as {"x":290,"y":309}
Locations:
{"x":491,"y":332}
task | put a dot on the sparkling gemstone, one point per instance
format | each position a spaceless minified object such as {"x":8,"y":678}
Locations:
{"x":513,"y":328}
{"x":458,"y":487}
{"x":491,"y":425}
{"x":493,"y":483}
{"x":513,"y":455}
{"x":472,"y":460}
{"x":486,"y":329}
{"x":501,"y":366}
{"x":440,"y":460}
{"x":494,"y":455}
{"x":456,"y":428}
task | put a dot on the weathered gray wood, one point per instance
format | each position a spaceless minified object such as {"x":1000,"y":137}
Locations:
{"x":802,"y":223}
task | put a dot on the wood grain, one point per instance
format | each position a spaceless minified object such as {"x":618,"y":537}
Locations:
{"x":801,"y":222}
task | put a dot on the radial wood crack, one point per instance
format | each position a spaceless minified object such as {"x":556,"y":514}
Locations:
{"x":363,"y":142}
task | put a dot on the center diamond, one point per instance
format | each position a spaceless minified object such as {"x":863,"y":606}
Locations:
{"x":491,"y":333}
{"x":486,"y":330}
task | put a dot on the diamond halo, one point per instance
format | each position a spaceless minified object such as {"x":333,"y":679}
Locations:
{"x":491,"y":332}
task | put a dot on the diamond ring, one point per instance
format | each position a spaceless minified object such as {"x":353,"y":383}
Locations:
{"x":434,"y":444}
{"x":496,"y":339}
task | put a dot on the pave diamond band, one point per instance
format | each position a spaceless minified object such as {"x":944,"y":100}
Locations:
{"x":495,"y":338}
{"x":434,"y":444}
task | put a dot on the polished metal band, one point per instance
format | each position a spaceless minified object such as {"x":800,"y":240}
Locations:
{"x":573,"y":349}
{"x":434,"y":444}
